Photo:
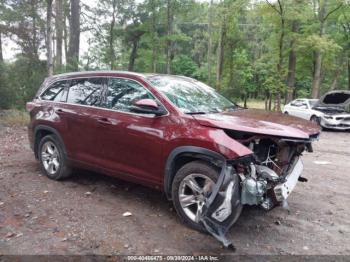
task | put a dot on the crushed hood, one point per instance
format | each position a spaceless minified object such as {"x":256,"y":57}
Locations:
{"x":260,"y":122}
{"x":334,"y":102}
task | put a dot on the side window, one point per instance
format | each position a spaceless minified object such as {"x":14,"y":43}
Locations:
{"x":299,"y":104}
{"x":56,"y":92}
{"x":121,"y":93}
{"x":86,"y":91}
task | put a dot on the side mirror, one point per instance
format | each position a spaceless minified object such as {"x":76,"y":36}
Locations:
{"x":148,"y":106}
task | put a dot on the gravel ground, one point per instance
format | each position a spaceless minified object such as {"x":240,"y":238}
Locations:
{"x":84,"y":215}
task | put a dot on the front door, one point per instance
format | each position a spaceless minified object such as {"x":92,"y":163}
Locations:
{"x":131,"y":143}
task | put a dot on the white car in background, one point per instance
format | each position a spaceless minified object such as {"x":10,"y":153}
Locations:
{"x":303,"y":108}
{"x":335,"y":106}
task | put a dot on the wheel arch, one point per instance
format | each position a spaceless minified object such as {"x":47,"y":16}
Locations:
{"x":313,"y":115}
{"x":41,"y":131}
{"x":183,"y":155}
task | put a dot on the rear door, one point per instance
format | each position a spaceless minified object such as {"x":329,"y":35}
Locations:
{"x":81,"y":112}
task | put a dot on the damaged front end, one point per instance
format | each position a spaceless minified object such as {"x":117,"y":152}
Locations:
{"x":266,"y":178}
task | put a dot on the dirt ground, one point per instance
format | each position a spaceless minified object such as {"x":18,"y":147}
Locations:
{"x":84,"y":215}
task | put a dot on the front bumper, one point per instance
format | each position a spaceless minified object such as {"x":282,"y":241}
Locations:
{"x":283,"y":190}
{"x":337,"y":124}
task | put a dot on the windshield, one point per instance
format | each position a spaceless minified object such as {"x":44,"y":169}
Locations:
{"x":313,"y":102}
{"x":191,"y":96}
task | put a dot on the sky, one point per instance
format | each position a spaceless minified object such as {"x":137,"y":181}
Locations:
{"x":10,"y":49}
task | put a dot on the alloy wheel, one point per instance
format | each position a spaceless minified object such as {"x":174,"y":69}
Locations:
{"x":50,"y":157}
{"x":193,"y":191}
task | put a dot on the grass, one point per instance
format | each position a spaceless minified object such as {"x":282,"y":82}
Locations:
{"x":257,"y":104}
{"x":14,"y":117}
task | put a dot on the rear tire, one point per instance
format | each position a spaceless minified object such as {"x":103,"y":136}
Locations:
{"x":202,"y":175}
{"x":286,"y":113}
{"x":52,"y":159}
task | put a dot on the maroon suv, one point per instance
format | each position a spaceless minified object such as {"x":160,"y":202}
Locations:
{"x":174,"y":133}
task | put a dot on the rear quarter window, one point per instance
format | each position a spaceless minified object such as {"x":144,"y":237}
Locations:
{"x":56,"y":92}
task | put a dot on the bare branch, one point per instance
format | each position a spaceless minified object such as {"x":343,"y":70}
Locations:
{"x":273,"y":6}
{"x":332,"y":11}
{"x":280,"y":6}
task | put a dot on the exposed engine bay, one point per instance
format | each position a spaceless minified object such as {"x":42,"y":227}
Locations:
{"x":265,"y":178}
{"x":274,"y":170}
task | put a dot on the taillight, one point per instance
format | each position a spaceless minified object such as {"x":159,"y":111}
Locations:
{"x":30,"y":106}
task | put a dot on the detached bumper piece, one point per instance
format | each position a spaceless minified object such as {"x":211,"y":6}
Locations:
{"x":223,"y":206}
{"x":282,"y":191}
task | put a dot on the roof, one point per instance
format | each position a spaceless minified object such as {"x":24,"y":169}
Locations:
{"x":83,"y":73}
{"x":111,"y":72}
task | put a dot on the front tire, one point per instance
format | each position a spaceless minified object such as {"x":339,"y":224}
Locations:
{"x":192,"y":184}
{"x":52,"y":159}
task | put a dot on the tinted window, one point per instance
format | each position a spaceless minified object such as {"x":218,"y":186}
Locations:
{"x":56,"y":92}
{"x":121,"y":93}
{"x":299,"y":103}
{"x":85,"y":91}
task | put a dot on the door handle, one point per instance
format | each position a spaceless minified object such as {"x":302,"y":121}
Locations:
{"x":59,"y":111}
{"x":104,"y":121}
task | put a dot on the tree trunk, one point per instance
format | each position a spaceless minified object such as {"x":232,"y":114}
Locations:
{"x":65,"y":36}
{"x":1,"y":56}
{"x":349,"y":72}
{"x":34,"y":31}
{"x":169,"y":34}
{"x":317,"y":75}
{"x":74,"y":35}
{"x":322,"y":16}
{"x":154,"y":36}
{"x":292,"y":63}
{"x":133,"y":55}
{"x":337,"y":74}
{"x":210,"y":39}
{"x":315,"y":89}
{"x":111,"y":37}
{"x":59,"y":23}
{"x":49,"y":38}
{"x":279,"y":66}
{"x":221,"y":53}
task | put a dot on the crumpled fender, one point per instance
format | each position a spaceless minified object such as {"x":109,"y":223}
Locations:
{"x":223,"y":206}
